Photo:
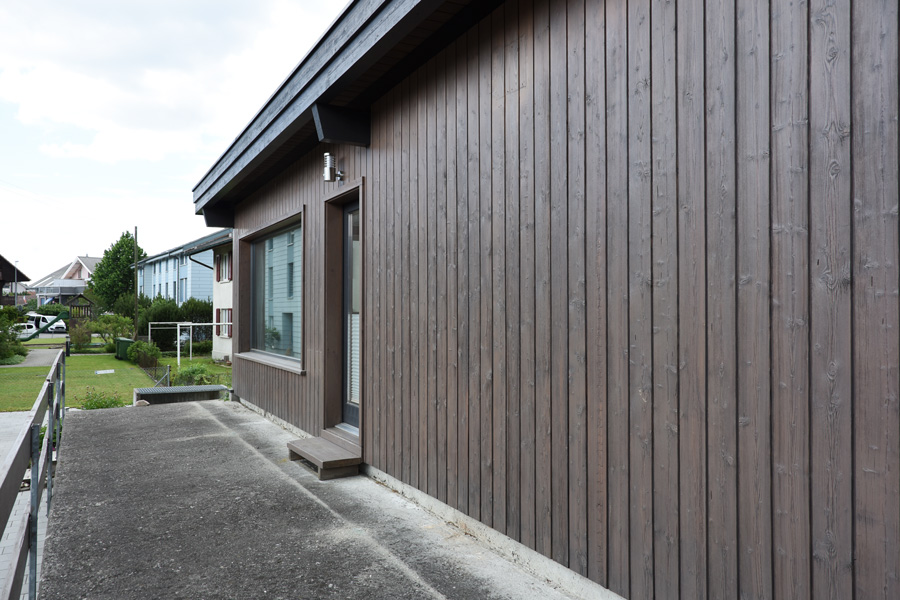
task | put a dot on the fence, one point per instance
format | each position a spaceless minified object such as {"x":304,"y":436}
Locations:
{"x":160,"y":374}
{"x":28,"y":448}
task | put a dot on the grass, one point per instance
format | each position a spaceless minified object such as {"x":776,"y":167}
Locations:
{"x":20,"y":386}
{"x":46,"y":341}
{"x":222,"y":371}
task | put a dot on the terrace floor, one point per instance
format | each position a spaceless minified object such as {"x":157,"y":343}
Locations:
{"x":199,"y":500}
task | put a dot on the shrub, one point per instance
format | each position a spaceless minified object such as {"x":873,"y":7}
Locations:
{"x":145,"y":354}
{"x":52,"y":309}
{"x":110,"y":348}
{"x":164,"y":310}
{"x":110,"y":327}
{"x":9,"y":341}
{"x":80,"y":335}
{"x":94,"y":399}
{"x":124,"y":305}
{"x":194,"y":375}
{"x":202,"y":348}
{"x":198,"y":311}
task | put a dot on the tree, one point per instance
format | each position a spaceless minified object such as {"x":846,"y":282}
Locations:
{"x":114,"y":274}
{"x":110,"y":327}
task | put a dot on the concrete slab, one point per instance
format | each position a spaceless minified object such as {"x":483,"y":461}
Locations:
{"x":37,"y":357}
{"x":199,"y":500}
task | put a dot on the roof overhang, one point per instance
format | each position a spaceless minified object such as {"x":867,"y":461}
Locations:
{"x":367,"y":50}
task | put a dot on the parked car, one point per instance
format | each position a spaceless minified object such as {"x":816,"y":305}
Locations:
{"x":42,"y":320}
{"x":58,"y":327}
{"x":25,"y":329}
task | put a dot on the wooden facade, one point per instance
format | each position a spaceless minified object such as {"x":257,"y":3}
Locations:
{"x":630,"y":290}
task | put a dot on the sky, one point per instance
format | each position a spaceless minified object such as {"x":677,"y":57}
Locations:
{"x":111,"y":112}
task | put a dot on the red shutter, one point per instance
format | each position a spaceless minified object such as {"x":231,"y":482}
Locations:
{"x":230,"y":261}
{"x":228,"y":328}
{"x":218,"y":270}
{"x":218,"y":320}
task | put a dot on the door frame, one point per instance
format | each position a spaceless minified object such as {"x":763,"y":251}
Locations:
{"x":333,"y":293}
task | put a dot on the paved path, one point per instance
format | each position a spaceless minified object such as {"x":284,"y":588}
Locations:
{"x":37,"y":357}
{"x":199,"y":500}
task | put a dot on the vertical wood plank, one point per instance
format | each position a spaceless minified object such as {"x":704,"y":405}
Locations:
{"x":790,"y":302}
{"x":721,"y":380}
{"x":692,"y":316}
{"x":576,"y":376}
{"x":462,"y":229}
{"x":754,"y":364}
{"x":382,"y":291}
{"x":830,"y":301}
{"x":876,"y":356}
{"x":513,"y":342}
{"x":440,"y":285}
{"x":595,"y":289}
{"x":559,"y":332}
{"x":543,"y":327}
{"x":485,"y":345}
{"x":395,"y":427}
{"x":474,"y":273}
{"x":617,"y":296}
{"x":409,"y":257}
{"x":527,"y":285}
{"x":453,"y":201}
{"x":499,"y":413}
{"x":429,"y":436}
{"x":421,"y":402}
{"x":664,"y":272}
{"x":640,"y":319}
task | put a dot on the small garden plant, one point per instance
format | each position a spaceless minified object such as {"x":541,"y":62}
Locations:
{"x":94,"y":399}
{"x":194,"y":375}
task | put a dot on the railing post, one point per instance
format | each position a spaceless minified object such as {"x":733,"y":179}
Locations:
{"x":33,"y":518}
{"x":51,"y":433}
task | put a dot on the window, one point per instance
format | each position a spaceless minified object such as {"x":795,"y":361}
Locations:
{"x":277,"y":293}
{"x":223,"y":267}
{"x":290,"y":280}
{"x":223,"y":315}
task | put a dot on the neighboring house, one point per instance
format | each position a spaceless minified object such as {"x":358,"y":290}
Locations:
{"x":12,"y":281}
{"x":221,"y":290}
{"x":616,"y":279}
{"x":66,"y":282}
{"x":179,"y":273}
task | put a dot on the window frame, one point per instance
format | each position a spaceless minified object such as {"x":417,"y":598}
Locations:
{"x":262,"y":243}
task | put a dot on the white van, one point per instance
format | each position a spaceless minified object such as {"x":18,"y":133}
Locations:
{"x":43,"y":320}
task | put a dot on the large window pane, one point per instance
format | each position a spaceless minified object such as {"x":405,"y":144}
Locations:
{"x":278,"y":293}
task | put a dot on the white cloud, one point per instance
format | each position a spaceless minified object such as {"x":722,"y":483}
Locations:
{"x":111,"y":111}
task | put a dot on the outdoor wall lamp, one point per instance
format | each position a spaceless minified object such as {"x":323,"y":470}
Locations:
{"x":331,"y":173}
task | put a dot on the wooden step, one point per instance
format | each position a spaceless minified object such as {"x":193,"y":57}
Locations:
{"x":328,"y":460}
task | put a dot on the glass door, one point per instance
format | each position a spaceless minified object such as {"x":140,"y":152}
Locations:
{"x":352,"y":303}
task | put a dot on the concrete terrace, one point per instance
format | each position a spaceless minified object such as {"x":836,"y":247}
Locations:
{"x":199,"y":500}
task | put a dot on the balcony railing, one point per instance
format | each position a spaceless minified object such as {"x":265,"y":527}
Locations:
{"x":26,"y":449}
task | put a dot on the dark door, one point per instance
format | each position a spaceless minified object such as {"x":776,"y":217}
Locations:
{"x":352,"y":302}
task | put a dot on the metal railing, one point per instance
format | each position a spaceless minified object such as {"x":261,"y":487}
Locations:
{"x":28,"y":448}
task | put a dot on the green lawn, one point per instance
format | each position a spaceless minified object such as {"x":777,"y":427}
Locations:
{"x":46,"y":341}
{"x":20,"y":386}
{"x":222,"y":371}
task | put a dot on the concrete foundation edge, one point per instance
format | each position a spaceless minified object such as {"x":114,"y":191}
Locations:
{"x":277,"y":420}
{"x":534,"y":562}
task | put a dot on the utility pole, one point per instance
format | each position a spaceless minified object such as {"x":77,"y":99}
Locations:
{"x":134,"y":335}
{"x":16,"y":284}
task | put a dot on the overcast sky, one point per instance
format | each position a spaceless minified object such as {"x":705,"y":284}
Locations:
{"x":111,"y":112}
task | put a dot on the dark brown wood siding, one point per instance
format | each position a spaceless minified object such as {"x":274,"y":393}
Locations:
{"x":631,"y":291}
